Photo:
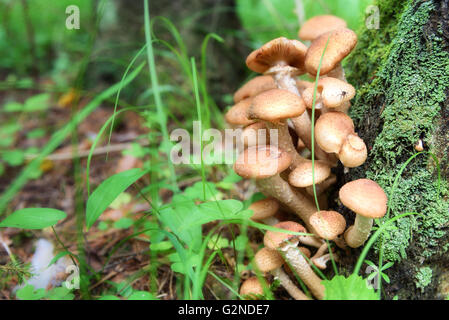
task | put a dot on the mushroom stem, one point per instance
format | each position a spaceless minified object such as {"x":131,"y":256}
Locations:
{"x":285,"y":141}
{"x":279,"y":189}
{"x":288,"y":284}
{"x":270,"y":221}
{"x":338,"y":72}
{"x":323,"y":186}
{"x":303,"y":269}
{"x":284,"y":80}
{"x":357,"y":234}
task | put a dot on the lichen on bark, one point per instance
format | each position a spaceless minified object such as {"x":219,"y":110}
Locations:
{"x":401,"y":73}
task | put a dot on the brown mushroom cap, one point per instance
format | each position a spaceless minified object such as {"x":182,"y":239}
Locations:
{"x":335,"y":92}
{"x":254,"y":87}
{"x":264,"y":208}
{"x":252,"y":133}
{"x":276,"y":104}
{"x":301,"y":176}
{"x":328,"y":224}
{"x":238,"y":114}
{"x":268,"y":260}
{"x":364,"y":197}
{"x":307,"y":96}
{"x":341,"y":43}
{"x":303,"y":85}
{"x":331,"y":130}
{"x":278,"y":52}
{"x":261,"y":162}
{"x":316,"y":26}
{"x":251,"y":286}
{"x":353,"y":152}
{"x":274,"y":240}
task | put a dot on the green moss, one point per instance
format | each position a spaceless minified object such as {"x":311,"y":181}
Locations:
{"x":401,"y":91}
{"x":423,"y":278}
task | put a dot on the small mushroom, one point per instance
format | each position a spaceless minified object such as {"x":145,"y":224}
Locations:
{"x":238,"y":113}
{"x":251,"y":288}
{"x":271,"y":261}
{"x":328,"y":224}
{"x":253,"y":87}
{"x":334,"y":132}
{"x":287,"y":243}
{"x":265,"y":163}
{"x":264,"y":210}
{"x":255,"y":134}
{"x":302,"y":176}
{"x":318,"y":25}
{"x":273,"y":107}
{"x":341,"y":42}
{"x":369,"y":201}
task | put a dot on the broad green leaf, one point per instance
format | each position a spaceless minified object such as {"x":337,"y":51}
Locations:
{"x":33,"y":218}
{"x":60,"y":293}
{"x":13,"y":106}
{"x":352,"y":288}
{"x":13,"y":157}
{"x":108,"y":191}
{"x":109,"y":297}
{"x":29,"y":293}
{"x":141,"y":295}
{"x":123,"y":223}
{"x":37,"y":103}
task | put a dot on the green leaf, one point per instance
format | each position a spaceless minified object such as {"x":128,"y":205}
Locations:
{"x":352,"y":288}
{"x":37,"y":103}
{"x":109,"y":297}
{"x":141,"y":295}
{"x":60,"y":293}
{"x":13,"y":106}
{"x":29,"y":293}
{"x":13,"y":157}
{"x":123,"y":223}
{"x":33,"y":218}
{"x":108,"y":191}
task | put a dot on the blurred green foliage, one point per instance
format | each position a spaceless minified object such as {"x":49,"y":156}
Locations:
{"x":269,"y":19}
{"x":33,"y":34}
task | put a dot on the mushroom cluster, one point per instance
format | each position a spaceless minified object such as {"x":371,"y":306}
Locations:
{"x":275,"y":111}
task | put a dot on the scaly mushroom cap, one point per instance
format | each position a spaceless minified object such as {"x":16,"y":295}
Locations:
{"x":328,"y":224}
{"x":364,"y":197}
{"x":278,"y":52}
{"x":252,"y":133}
{"x":335,"y":92}
{"x":318,"y":25}
{"x":268,"y":260}
{"x":331,"y":130}
{"x":274,"y":240}
{"x":341,"y":43}
{"x":260,"y":162}
{"x":254,"y":87}
{"x":238,"y":114}
{"x":264,"y":208}
{"x":353,"y":152}
{"x":301,"y":176}
{"x":251,"y":286}
{"x":275,"y":105}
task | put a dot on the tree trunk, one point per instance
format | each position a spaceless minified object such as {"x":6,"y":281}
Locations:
{"x":401,"y":72}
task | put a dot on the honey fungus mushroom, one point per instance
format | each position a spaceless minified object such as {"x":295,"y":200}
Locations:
{"x":274,"y":107}
{"x":369,"y":201}
{"x":264,"y":164}
{"x":253,"y":87}
{"x":341,"y":42}
{"x":287,"y":244}
{"x":284,"y":59}
{"x":264,"y":210}
{"x":271,"y":261}
{"x":332,"y":93}
{"x":334,"y":133}
{"x":251,"y":288}
{"x":316,"y":26}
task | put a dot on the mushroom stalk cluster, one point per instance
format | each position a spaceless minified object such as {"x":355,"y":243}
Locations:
{"x":278,"y":103}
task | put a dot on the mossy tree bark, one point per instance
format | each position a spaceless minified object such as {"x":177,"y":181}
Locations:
{"x":401,"y":72}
